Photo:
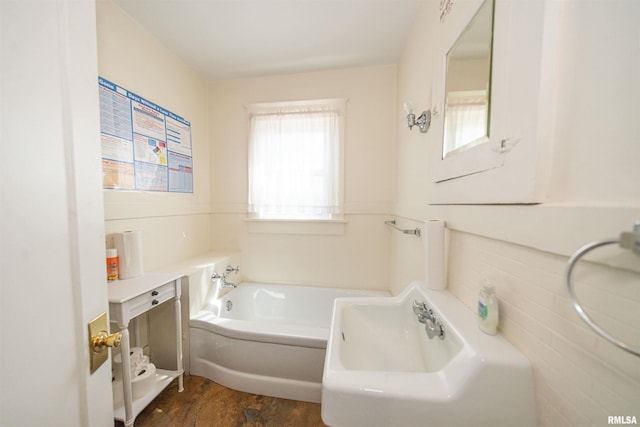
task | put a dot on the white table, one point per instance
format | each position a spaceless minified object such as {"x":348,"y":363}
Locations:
{"x":128,"y":299}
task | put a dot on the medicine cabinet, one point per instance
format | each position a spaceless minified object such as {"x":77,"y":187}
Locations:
{"x":493,"y":104}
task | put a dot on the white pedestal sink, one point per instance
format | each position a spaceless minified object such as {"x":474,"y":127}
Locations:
{"x":381,"y":369}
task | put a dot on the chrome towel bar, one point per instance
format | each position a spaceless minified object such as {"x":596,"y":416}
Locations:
{"x":392,"y":223}
{"x":627,"y":240}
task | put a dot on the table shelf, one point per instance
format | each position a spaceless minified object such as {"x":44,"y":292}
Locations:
{"x":163,"y":379}
{"x":127,"y":300}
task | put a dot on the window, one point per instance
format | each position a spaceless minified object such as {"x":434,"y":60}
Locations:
{"x":465,"y":122}
{"x":295,"y":160}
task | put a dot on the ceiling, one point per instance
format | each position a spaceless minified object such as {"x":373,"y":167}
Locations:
{"x":223,"y":39}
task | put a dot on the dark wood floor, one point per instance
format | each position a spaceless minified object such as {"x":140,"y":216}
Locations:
{"x":204,"y":403}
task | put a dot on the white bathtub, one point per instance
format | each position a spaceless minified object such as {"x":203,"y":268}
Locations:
{"x":271,"y":340}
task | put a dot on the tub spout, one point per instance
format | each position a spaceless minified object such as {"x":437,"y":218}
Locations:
{"x":223,"y":280}
{"x":225,"y":284}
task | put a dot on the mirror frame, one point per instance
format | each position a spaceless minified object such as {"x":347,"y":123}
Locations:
{"x":510,"y":167}
{"x":477,"y":158}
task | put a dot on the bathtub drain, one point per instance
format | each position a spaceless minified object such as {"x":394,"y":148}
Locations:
{"x":229,"y":305}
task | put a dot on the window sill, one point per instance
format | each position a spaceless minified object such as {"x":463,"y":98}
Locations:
{"x":331,"y":227}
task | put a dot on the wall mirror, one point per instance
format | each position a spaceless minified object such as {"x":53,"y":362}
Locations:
{"x":468,"y":85}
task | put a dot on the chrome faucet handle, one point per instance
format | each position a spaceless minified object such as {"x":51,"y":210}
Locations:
{"x":215,"y":276}
{"x":422,"y":318}
{"x":230,"y":269}
{"x":419,"y":307}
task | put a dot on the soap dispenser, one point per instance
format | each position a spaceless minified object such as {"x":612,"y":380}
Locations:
{"x":488,"y":315}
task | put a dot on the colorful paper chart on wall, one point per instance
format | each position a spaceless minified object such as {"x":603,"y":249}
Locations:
{"x":144,"y":146}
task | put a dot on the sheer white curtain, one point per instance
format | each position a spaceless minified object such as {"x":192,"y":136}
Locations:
{"x":294,"y":160}
{"x":465,"y":118}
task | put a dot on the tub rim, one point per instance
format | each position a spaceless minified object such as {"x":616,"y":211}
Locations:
{"x":249,"y":330}
{"x":287,"y":333}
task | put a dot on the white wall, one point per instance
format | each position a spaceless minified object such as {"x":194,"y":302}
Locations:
{"x":580,"y":378}
{"x":359,"y":257}
{"x":174,"y":226}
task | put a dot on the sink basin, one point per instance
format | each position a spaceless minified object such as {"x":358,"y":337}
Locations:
{"x":381,"y":368}
{"x":388,"y":338}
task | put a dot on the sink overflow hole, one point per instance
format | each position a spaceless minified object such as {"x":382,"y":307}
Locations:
{"x":343,"y":339}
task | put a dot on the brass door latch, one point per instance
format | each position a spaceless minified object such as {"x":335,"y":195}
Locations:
{"x":99,"y":340}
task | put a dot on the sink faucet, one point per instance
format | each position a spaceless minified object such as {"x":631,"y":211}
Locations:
{"x":434,"y":328}
{"x":425,"y":315}
{"x":224,"y":283}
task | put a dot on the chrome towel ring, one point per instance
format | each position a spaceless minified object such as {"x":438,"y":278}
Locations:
{"x":627,"y":240}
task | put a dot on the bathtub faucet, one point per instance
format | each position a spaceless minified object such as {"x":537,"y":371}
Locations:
{"x":224,"y":284}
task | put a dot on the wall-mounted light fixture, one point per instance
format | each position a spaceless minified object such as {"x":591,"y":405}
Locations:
{"x":423,"y":121}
